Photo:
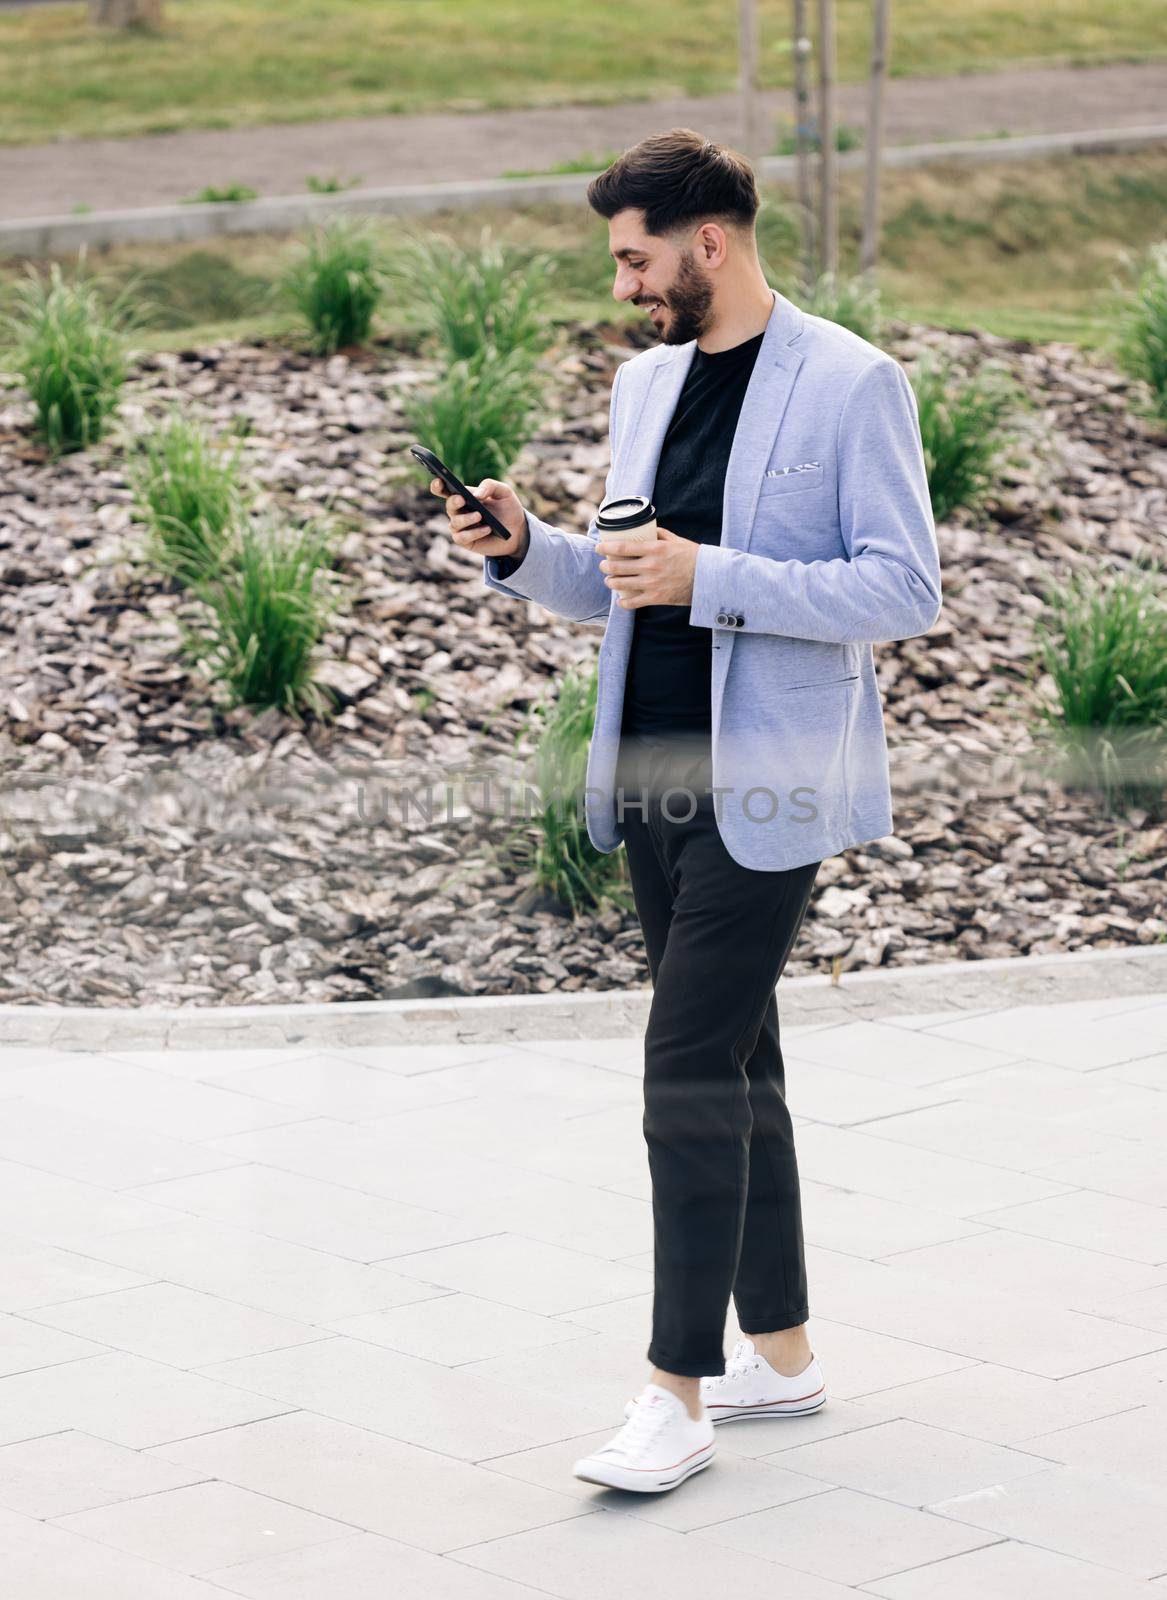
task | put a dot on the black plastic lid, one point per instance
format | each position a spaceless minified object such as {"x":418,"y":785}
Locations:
{"x":629,"y":511}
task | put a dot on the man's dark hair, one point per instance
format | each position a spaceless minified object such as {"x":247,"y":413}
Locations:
{"x":678,"y":178}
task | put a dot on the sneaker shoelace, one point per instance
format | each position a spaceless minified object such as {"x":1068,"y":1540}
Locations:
{"x":641,"y":1428}
{"x":738,"y":1363}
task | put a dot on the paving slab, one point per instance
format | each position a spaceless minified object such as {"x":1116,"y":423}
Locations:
{"x":604,"y":1554}
{"x":905,"y":1461}
{"x":374,"y":1483}
{"x":842,"y":1536}
{"x":330,"y":1318}
{"x":1129,"y":1229}
{"x":43,"y":1561}
{"x":1083,"y":1515}
{"x":125,"y":1399}
{"x":1126,"y":1446}
{"x":985,"y":1402}
{"x":70,"y":1471}
{"x":170,"y":1323}
{"x":362,"y":1567}
{"x":201,"y":1526}
{"x":1008,"y":1571}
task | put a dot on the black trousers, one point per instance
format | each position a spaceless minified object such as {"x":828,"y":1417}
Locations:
{"x":727,"y":1215}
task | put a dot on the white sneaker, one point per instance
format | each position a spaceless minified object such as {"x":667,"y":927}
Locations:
{"x":749,"y":1387}
{"x":657,"y":1448}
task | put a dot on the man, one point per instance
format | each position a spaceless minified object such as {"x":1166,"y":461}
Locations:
{"x":738,"y":739}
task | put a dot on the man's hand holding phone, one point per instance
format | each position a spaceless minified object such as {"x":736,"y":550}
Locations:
{"x":468,"y":529}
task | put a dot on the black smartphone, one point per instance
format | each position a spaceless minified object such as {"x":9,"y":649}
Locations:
{"x":439,"y":469}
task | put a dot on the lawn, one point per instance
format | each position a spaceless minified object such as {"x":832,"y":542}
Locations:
{"x":1023,"y":250}
{"x":231,"y":63}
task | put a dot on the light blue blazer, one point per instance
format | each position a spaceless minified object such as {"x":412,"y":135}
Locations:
{"x":828,"y":546}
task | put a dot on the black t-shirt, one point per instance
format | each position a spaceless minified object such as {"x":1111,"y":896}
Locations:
{"x":668,"y":688}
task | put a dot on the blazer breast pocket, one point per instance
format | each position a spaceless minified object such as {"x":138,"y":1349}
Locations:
{"x":794,"y":479}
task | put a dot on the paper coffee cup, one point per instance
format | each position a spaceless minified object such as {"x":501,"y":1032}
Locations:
{"x":628,"y":517}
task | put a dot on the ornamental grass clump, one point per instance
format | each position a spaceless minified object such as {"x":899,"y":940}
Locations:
{"x":476,"y":300}
{"x":1141,"y":326}
{"x":852,"y":302}
{"x":337,"y":283}
{"x":188,"y":492}
{"x":68,"y":346}
{"x":565,"y":862}
{"x":962,"y":430}
{"x":264,"y":614}
{"x":1104,"y":647}
{"x":478,"y":415}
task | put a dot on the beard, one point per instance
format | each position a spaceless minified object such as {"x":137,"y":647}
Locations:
{"x":687,"y":305}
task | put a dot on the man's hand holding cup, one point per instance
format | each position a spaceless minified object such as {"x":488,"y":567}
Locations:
{"x":645,"y":564}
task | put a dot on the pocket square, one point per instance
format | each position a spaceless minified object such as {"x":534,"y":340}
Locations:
{"x":783,"y":472}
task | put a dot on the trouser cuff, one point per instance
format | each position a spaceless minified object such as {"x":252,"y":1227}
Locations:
{"x":774,"y":1322}
{"x":711,"y":1367}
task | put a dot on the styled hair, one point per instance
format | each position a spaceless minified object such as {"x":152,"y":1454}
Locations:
{"x":677,"y":179}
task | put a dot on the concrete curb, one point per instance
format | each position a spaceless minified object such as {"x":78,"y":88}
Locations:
{"x":58,"y":235}
{"x":616,"y":1013}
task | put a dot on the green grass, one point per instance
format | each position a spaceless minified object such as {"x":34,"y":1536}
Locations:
{"x":188,"y":492}
{"x":962,"y":429}
{"x":1103,"y":644}
{"x":472,"y":298}
{"x":1026,"y":251}
{"x":331,"y":185}
{"x":852,"y":302}
{"x":336,"y":283}
{"x":580,"y":163}
{"x":1141,"y":320}
{"x":67,"y":342}
{"x":195,"y":287}
{"x":566,"y":863}
{"x":264,"y":614}
{"x":232,"y":63}
{"x":479,"y":415}
{"x":227,"y":194}
{"x":786,"y":142}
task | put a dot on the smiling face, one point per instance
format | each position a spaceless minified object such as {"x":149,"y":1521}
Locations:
{"x":661,"y":278}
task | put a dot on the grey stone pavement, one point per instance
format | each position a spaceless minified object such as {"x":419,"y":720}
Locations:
{"x":331,"y":1321}
{"x":158,"y":169}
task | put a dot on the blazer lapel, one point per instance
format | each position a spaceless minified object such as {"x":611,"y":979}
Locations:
{"x":758,"y":423}
{"x":651,"y":423}
{"x":645,"y":433}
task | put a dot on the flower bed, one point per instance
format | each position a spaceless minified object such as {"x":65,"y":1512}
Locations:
{"x":161,"y":850}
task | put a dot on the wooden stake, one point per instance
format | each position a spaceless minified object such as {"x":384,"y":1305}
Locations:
{"x":126,"y":13}
{"x":752,"y":135}
{"x":880,"y":49}
{"x":802,"y":133}
{"x":828,"y":166}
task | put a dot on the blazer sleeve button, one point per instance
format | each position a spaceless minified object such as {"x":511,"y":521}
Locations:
{"x":723,"y":620}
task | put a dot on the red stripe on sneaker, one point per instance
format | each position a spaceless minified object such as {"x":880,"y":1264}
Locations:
{"x":671,"y":1464}
{"x":766,"y":1405}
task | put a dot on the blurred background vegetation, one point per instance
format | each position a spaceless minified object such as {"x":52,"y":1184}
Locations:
{"x":1024,"y":250}
{"x":235,"y":63}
